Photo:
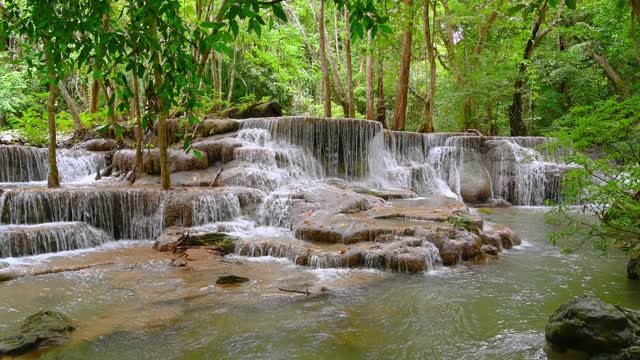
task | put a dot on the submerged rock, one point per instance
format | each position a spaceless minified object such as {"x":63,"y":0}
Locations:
{"x":45,"y":328}
{"x":231,"y":279}
{"x":590,"y":325}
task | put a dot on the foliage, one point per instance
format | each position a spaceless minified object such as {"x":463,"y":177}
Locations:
{"x":605,"y":143}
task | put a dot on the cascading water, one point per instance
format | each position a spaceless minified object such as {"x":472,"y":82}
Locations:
{"x":26,"y":164}
{"x":129,"y":214}
{"x":341,"y":146}
{"x":280,"y":158}
{"x":215,"y":207}
{"x":24,"y":240}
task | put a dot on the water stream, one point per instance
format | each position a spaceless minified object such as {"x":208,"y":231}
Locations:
{"x":495,"y":310}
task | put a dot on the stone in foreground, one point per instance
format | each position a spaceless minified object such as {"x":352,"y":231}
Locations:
{"x":590,"y":325}
{"x":231,"y":280}
{"x":44,"y":328}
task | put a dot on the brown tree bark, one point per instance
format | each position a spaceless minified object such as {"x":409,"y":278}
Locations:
{"x":137,"y":167}
{"x":109,"y":93}
{"x":381,"y":110}
{"x":370,"y":111}
{"x":326,"y":80}
{"x":53,"y":180}
{"x":351,"y":97}
{"x":402,"y":89}
{"x":518,"y":127}
{"x":95,"y":94}
{"x":163,"y":113}
{"x":427,"y":114}
{"x":73,"y":108}
{"x":615,"y":79}
{"x":232,"y":76}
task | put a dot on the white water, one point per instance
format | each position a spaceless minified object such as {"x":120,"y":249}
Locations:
{"x":280,"y":157}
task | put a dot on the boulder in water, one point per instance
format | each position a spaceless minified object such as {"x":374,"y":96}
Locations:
{"x":44,"y":328}
{"x":231,"y":280}
{"x":475,"y":182}
{"x":590,"y":325}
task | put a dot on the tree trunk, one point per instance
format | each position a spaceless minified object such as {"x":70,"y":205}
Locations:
{"x":326,"y":80}
{"x":53,"y":179}
{"x":371,"y":111}
{"x":163,"y":113}
{"x":110,"y":94}
{"x":137,"y":167}
{"x":73,"y":108}
{"x":381,"y":110}
{"x":612,"y":75}
{"x":214,"y":75}
{"x":429,"y":106}
{"x":232,"y":76}
{"x":347,"y":40}
{"x":402,"y":90}
{"x":446,"y":31}
{"x":518,"y":127}
{"x":95,"y":94}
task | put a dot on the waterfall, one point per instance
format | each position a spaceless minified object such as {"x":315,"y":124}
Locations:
{"x":276,"y":210}
{"x":24,"y":240}
{"x":518,"y":173}
{"x":123,"y":214}
{"x":217,"y":207}
{"x":341,"y":146}
{"x":26,"y":163}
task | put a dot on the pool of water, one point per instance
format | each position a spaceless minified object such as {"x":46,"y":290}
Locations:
{"x":494,"y":310}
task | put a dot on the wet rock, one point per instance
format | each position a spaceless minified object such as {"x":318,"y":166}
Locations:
{"x":494,"y":203}
{"x":3,"y":265}
{"x":106,"y":171}
{"x":210,"y":127}
{"x":590,"y":325}
{"x":8,"y":276}
{"x":499,"y":236}
{"x":45,"y":328}
{"x":231,"y":280}
{"x":633,"y":268}
{"x":217,"y":149}
{"x":98,"y":145}
{"x":490,"y":250}
{"x":124,"y":161}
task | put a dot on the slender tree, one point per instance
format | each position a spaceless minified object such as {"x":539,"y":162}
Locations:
{"x":402,"y":90}
{"x":426,"y":125}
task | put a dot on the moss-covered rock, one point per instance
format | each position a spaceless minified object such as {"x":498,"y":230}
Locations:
{"x":590,"y":325}
{"x":45,"y":328}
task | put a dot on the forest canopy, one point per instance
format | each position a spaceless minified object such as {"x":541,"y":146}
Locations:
{"x":497,"y":66}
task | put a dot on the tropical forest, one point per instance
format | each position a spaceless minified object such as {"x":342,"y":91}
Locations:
{"x":320,"y":179}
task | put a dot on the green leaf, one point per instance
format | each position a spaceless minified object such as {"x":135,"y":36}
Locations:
{"x":571,"y":4}
{"x":197,"y":154}
{"x":279,"y":12}
{"x":234,"y":27}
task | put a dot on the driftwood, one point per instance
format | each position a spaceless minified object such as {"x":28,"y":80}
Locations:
{"x":474,"y":131}
{"x":296,"y":291}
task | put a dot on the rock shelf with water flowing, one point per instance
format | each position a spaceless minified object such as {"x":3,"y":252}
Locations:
{"x":323,"y":193}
